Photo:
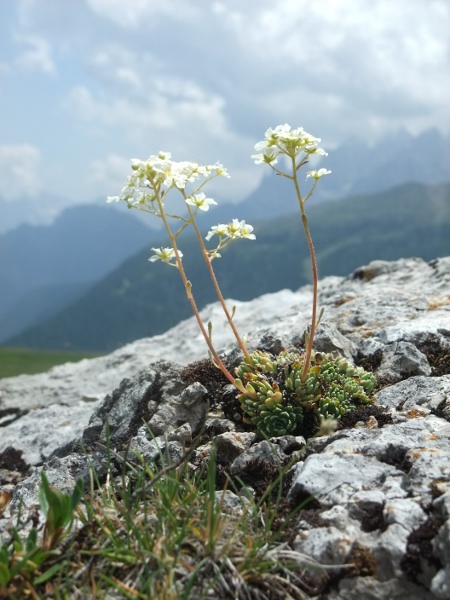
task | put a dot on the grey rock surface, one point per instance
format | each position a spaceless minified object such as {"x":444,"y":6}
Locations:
{"x":374,"y":489}
{"x":259,"y":453}
{"x":378,"y":492}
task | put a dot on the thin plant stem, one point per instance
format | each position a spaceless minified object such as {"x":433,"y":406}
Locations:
{"x":312,"y":252}
{"x":188,"y":286}
{"x":218,"y":290}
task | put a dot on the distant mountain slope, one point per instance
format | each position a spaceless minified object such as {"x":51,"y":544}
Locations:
{"x":140,"y":299}
{"x":40,"y":304}
{"x":357,"y":169}
{"x":38,"y":262}
{"x":394,"y":160}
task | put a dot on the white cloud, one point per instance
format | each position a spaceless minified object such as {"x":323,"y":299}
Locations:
{"x":20,"y":171}
{"x":204,"y":79}
{"x":108,"y":175}
{"x":121,"y":112}
{"x":141,"y":13}
{"x":119,"y":66}
{"x":167,"y":104}
{"x":37,"y":55}
{"x":175,"y":115}
{"x":388,"y":59}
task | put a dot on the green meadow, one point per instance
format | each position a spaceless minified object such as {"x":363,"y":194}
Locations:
{"x":18,"y":361}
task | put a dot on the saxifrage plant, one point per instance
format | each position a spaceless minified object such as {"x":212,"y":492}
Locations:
{"x":275,"y":392}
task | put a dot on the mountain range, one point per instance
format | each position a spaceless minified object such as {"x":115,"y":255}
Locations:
{"x":358,"y":167}
{"x":139,"y":299}
{"x":46,"y":268}
{"x":395,"y":159}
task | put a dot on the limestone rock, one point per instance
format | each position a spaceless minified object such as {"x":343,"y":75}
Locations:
{"x":377,"y":494}
{"x":261,"y":453}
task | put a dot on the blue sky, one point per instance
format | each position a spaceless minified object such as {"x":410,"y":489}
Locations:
{"x":85,"y":85}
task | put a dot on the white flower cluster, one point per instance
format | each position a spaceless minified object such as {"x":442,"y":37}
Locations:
{"x":150,"y":177}
{"x":285,"y":140}
{"x":227,"y":233}
{"x":235,"y":229}
{"x":148,"y":185}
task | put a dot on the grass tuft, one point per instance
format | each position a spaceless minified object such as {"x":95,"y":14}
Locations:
{"x":164,"y":531}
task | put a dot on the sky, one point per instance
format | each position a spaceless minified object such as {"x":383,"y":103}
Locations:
{"x":86,"y":85}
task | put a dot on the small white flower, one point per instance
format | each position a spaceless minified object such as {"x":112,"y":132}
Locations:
{"x":283,"y":130}
{"x":219,"y":230}
{"x":166,"y":170}
{"x":309,"y":139}
{"x":315,"y":150}
{"x":113,"y":199}
{"x":164,"y":254}
{"x":185,"y":172}
{"x":286,"y":134}
{"x":268,"y":155}
{"x":317,"y":174}
{"x":221,"y":170}
{"x":137,"y":164}
{"x":261,"y":145}
{"x":246,"y":231}
{"x":234,"y":228}
{"x":218,"y":168}
{"x":140,"y":198}
{"x":239,"y":229}
{"x":200,"y":201}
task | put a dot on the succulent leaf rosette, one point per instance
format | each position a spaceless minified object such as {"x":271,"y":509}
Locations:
{"x":275,"y":399}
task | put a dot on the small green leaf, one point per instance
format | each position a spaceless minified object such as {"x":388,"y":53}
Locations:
{"x":5,"y":573}
{"x":77,"y":494}
{"x":31,"y":541}
{"x":49,"y":573}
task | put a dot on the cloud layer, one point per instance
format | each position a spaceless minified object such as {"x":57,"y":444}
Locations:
{"x":87,"y":85}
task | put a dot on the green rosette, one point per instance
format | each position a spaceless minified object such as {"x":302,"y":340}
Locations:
{"x":282,"y":402}
{"x":279,"y":421}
